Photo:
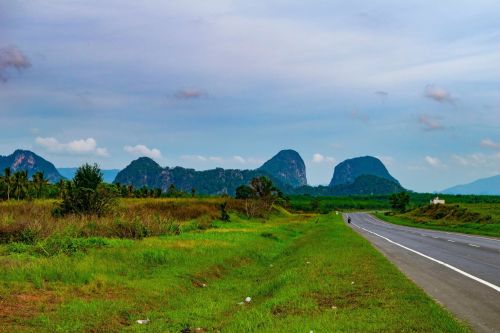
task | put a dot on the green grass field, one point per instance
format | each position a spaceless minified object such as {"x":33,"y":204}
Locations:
{"x":486,"y":223}
{"x":303,"y":272}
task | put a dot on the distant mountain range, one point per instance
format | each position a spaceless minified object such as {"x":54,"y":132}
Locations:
{"x":31,"y":162}
{"x":361,"y":175}
{"x":484,"y":186}
{"x":285,"y":169}
{"x":109,"y":175}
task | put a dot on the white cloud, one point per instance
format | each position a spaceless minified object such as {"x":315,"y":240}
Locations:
{"x":248,"y":160}
{"x":434,"y":162}
{"x":81,"y":147}
{"x":142,"y":150}
{"x":438,"y":94}
{"x":223,"y":160}
{"x":239,"y":159}
{"x":490,"y":144}
{"x":319,"y":158}
{"x":478,"y":160}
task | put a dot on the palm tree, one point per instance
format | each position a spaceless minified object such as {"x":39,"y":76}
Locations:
{"x":20,"y":182}
{"x":7,"y":179}
{"x":61,"y":187}
{"x":39,"y":183}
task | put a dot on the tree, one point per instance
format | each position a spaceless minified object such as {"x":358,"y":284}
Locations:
{"x":259,"y":196}
{"x":61,"y":187}
{"x":315,"y":203}
{"x":245,"y":192}
{"x":88,"y":176}
{"x":20,"y":183}
{"x":399,"y":201}
{"x":39,"y":183}
{"x":87,"y":194}
{"x":7,"y":180}
{"x":224,"y":216}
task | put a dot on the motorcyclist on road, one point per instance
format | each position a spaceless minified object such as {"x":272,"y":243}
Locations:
{"x":348,"y":219}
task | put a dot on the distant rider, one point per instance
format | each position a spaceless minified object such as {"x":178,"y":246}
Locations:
{"x":348,"y":219}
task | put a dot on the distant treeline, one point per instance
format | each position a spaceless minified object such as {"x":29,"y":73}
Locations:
{"x":325,"y":204}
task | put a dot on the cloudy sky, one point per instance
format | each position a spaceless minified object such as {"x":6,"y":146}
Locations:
{"x":229,"y":83}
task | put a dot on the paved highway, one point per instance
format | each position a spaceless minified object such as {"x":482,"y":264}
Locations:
{"x":462,"y":272}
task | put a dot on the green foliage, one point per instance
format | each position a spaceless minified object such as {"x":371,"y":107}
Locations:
{"x":245,"y":192}
{"x":87,"y":194}
{"x":259,"y":196}
{"x":224,"y":216}
{"x":315,"y":203}
{"x":173,"y":192}
{"x":399,"y":201}
{"x":88,"y":176}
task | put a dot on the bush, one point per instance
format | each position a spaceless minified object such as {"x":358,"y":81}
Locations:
{"x":87,"y":194}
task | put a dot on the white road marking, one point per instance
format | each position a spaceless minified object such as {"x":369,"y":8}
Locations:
{"x":475,"y":278}
{"x":474,"y":245}
{"x":451,"y":240}
{"x":435,"y":237}
{"x":469,"y":236}
{"x":446,"y":232}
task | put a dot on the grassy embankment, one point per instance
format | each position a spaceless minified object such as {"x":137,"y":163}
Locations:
{"x":303,"y":272}
{"x":470,"y":218}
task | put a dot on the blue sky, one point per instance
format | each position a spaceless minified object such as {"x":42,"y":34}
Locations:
{"x":229,"y":83}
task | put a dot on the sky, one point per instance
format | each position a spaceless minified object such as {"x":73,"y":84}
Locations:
{"x":221,"y":83}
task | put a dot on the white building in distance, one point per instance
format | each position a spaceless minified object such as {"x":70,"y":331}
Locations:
{"x":437,"y":201}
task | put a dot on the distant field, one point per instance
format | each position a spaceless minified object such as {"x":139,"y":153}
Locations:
{"x":303,"y":273}
{"x":486,"y":222}
{"x":492,"y":209}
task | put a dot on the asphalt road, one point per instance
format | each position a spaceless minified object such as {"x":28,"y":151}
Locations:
{"x":462,"y":272}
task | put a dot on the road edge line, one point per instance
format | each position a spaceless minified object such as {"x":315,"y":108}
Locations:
{"x":475,"y":278}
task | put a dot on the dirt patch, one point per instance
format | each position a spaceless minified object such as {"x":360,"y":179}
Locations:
{"x":284,"y":310}
{"x":348,"y":300}
{"x":27,"y":305}
{"x":100,"y":290}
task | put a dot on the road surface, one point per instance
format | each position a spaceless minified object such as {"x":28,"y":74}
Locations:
{"x":462,"y":272}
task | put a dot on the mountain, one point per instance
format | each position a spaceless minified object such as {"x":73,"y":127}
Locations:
{"x":285,"y":169}
{"x":367,"y":184}
{"x":108,"y":175}
{"x":288,"y":167}
{"x":347,"y":171}
{"x":484,"y":186}
{"x":31,"y":162}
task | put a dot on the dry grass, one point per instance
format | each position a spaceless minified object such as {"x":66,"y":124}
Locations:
{"x":30,"y":221}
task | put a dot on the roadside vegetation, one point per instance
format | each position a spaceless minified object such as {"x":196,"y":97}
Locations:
{"x":301,"y":272}
{"x":479,"y":219}
{"x":85,"y":256}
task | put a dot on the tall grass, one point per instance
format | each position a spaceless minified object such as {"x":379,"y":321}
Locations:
{"x":32,"y":221}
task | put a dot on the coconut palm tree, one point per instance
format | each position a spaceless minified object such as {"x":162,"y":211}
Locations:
{"x":39,"y":182}
{"x":7,"y":180}
{"x":20,"y":183}
{"x":61,"y":187}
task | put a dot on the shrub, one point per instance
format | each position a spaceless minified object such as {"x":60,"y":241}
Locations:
{"x":87,"y":194}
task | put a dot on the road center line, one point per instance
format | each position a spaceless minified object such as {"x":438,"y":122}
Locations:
{"x":475,"y":278}
{"x":451,"y":240}
{"x":474,"y":245}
